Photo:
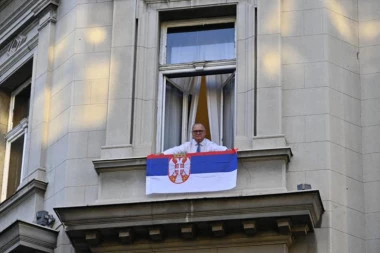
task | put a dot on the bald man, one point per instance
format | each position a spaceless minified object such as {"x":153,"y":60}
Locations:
{"x":198,"y":144}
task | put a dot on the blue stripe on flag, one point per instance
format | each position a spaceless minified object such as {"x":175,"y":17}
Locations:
{"x":199,"y":164}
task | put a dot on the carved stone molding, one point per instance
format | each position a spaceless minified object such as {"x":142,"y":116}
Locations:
{"x":15,"y":44}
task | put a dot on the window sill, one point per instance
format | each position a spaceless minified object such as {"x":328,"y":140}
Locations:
{"x":140,"y":162}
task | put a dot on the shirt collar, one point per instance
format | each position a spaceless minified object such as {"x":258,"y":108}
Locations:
{"x":202,"y":143}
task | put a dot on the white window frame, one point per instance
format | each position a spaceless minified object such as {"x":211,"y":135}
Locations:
{"x":187,"y":68}
{"x":14,"y":132}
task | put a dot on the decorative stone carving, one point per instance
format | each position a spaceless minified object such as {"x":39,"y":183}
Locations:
{"x":284,"y":226}
{"x":93,"y":238}
{"x":188,"y":231}
{"x":218,"y":229}
{"x":126,"y":235}
{"x":15,"y":44}
{"x":249,"y":227}
{"x":156,"y":233}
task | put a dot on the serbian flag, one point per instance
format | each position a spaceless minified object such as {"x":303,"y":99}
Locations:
{"x":192,"y":172}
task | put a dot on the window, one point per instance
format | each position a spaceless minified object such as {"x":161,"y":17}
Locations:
{"x":15,"y":139}
{"x":200,"y":43}
{"x":197,"y":80}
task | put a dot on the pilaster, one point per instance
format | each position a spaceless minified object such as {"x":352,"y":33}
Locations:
{"x":246,"y":75}
{"x":144,"y":128}
{"x":121,"y":98}
{"x":41,"y":86}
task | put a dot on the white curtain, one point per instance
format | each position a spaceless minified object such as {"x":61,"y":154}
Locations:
{"x":173,"y":115}
{"x":180,"y":113}
{"x":215,"y":85}
{"x":195,"y":88}
{"x":188,"y":86}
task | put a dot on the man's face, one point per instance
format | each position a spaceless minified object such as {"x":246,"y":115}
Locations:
{"x":199,"y":132}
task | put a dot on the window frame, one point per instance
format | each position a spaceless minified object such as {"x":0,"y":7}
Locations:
{"x":197,"y":68}
{"x":13,"y":134}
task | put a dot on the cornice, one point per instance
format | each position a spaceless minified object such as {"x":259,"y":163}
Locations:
{"x":193,"y":210}
{"x":22,"y":236}
{"x":42,"y":4}
{"x":34,"y":186}
{"x":285,"y":213}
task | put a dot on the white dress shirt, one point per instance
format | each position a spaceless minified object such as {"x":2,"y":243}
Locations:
{"x":191,"y":147}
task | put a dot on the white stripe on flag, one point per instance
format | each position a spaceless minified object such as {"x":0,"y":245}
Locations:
{"x":201,"y":182}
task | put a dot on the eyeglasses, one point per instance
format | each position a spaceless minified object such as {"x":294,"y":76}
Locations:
{"x":198,"y":131}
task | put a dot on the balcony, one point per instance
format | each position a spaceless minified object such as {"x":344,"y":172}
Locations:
{"x":259,"y":172}
{"x":259,"y":212}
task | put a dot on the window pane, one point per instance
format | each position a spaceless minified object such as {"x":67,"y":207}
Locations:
{"x":173,"y":116}
{"x":200,"y":43}
{"x":15,"y":163}
{"x":228,"y":113}
{"x":21,"y":107}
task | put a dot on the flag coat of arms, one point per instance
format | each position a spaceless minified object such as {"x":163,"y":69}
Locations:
{"x":192,"y":172}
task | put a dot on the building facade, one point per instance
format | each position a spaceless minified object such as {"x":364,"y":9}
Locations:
{"x":89,"y":88}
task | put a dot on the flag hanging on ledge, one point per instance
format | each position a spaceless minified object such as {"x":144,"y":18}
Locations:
{"x":192,"y":172}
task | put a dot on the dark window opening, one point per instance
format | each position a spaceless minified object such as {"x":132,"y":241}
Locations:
{"x":21,"y":106}
{"x":15,"y":164}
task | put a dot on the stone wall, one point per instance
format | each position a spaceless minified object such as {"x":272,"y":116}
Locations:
{"x":369,"y":55}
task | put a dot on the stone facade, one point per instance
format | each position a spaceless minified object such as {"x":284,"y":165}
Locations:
{"x":307,"y":111}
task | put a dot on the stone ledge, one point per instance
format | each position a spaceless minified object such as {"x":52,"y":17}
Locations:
{"x":165,"y":219}
{"x":140,"y":162}
{"x":117,"y":164}
{"x":283,"y":153}
{"x":25,"y":237}
{"x":29,"y":188}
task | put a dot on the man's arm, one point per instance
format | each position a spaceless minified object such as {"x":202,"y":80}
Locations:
{"x":219,"y":148}
{"x":212,"y":146}
{"x":177,"y":149}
